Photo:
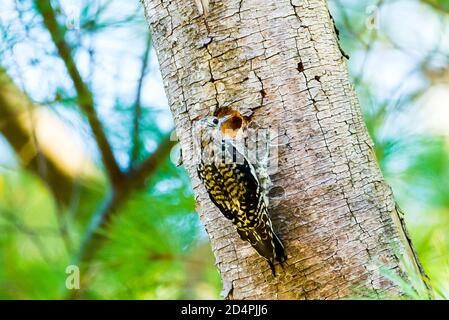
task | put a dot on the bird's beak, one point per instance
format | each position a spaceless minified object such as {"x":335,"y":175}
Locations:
{"x":224,"y":119}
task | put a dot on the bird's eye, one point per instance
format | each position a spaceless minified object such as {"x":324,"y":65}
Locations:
{"x":215,"y":121}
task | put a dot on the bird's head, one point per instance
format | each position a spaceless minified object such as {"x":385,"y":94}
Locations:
{"x":207,"y":133}
{"x":209,"y":127}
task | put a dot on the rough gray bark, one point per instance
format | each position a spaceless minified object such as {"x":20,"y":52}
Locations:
{"x":279,"y":63}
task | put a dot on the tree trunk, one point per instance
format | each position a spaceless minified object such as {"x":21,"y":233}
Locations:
{"x":279,"y":63}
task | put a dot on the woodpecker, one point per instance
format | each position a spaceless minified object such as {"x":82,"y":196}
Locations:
{"x":234,"y":187}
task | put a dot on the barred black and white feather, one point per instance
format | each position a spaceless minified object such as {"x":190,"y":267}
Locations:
{"x":234,"y":187}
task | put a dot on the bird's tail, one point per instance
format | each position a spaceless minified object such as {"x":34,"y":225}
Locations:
{"x":279,"y":249}
{"x":266,"y":243}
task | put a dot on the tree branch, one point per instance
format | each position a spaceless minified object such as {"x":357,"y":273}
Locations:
{"x":138,"y":106}
{"x":85,"y":97}
{"x":13,"y":105}
{"x":122,"y":183}
{"x":134,"y":180}
{"x":148,"y":166}
{"x":435,"y":6}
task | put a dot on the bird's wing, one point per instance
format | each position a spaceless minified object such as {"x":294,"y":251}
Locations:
{"x":233,"y":186}
{"x":213,"y":181}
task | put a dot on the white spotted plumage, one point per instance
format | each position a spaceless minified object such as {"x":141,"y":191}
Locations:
{"x":234,"y":187}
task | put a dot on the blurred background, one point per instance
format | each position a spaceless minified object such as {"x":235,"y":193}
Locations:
{"x":85,"y":146}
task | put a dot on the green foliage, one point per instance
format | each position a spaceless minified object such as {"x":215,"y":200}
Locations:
{"x":149,"y":249}
{"x":155,"y":247}
{"x":442,"y":5}
{"x":414,"y":157}
{"x":412,"y":284}
{"x":30,"y":241}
